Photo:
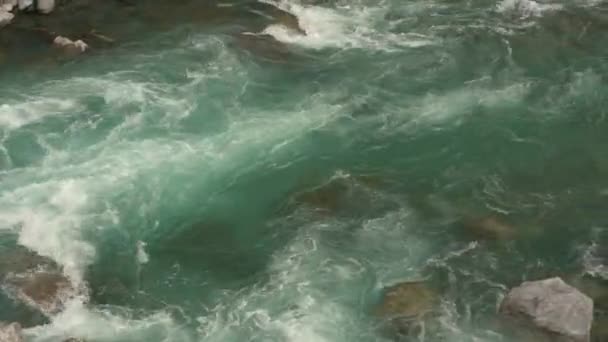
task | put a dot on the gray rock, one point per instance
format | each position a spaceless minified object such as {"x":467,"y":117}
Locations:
{"x":553,"y":307}
{"x":10,"y":332}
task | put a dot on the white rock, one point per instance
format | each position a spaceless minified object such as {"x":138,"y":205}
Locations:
{"x":7,"y":7}
{"x":5,"y":17}
{"x":10,"y":332}
{"x":552,"y":306}
{"x":24,"y":4}
{"x":45,"y":6}
{"x":69,"y":46}
{"x":82,"y":46}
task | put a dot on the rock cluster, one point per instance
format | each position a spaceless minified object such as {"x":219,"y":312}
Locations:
{"x":8,"y":8}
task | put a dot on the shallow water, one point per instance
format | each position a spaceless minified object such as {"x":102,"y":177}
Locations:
{"x":175,"y":174}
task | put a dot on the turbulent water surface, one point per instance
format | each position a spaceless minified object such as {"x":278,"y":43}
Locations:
{"x":206,"y":184}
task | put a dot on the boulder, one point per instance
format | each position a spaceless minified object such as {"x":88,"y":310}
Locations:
{"x":45,"y":6}
{"x":553,"y":307}
{"x":5,"y":17}
{"x":406,"y":304}
{"x":10,"y":332}
{"x":69,"y":47}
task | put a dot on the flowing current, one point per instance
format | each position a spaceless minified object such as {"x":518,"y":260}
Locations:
{"x":208,"y":185}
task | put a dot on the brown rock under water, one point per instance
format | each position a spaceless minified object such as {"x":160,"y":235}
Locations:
{"x":34,"y":280}
{"x":489,"y":227}
{"x":406,"y":304}
{"x":263,"y":46}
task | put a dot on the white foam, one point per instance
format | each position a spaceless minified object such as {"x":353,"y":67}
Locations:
{"x":314,"y":291}
{"x":452,"y":107}
{"x":525,"y":8}
{"x":142,"y":256}
{"x":346,"y":27}
{"x":17,"y":114}
{"x":593,"y":264}
{"x":78,"y":321}
{"x":50,"y":226}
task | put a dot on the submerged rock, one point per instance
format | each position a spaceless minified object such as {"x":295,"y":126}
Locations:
{"x":553,"y":307}
{"x":10,"y":332}
{"x":489,"y":227}
{"x":290,"y":21}
{"x":405,"y":305}
{"x":279,"y":16}
{"x":345,"y":193}
{"x":69,"y":47}
{"x":264,"y":46}
{"x":327,"y":197}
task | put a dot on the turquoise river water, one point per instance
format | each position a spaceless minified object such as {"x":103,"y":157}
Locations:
{"x":209,"y":187}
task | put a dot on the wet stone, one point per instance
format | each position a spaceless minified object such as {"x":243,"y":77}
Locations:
{"x":278,"y":16}
{"x":69,"y":47}
{"x":405,"y":305}
{"x":263,"y":46}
